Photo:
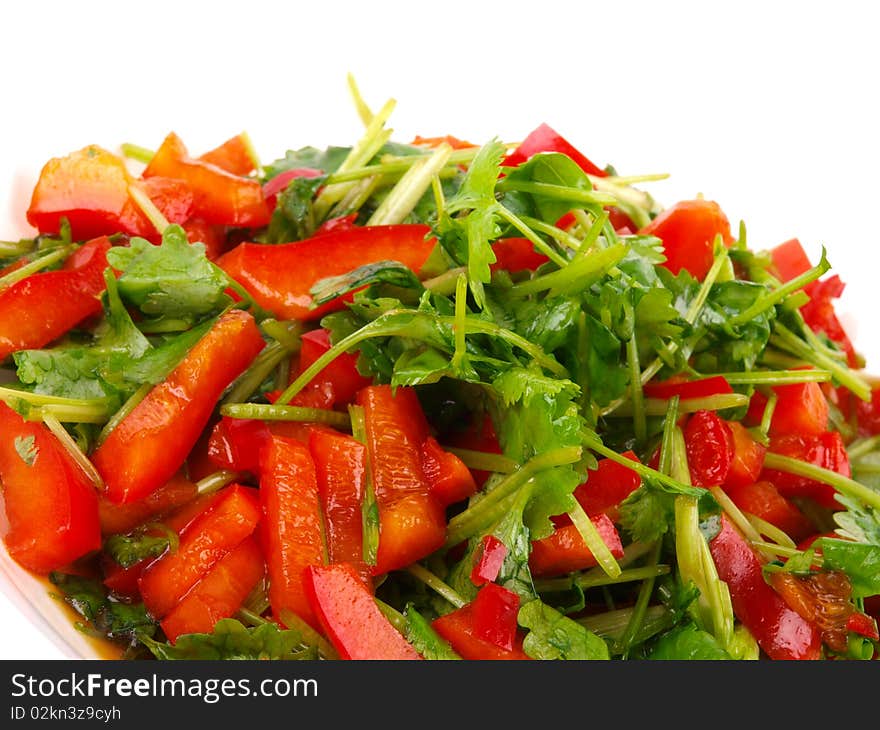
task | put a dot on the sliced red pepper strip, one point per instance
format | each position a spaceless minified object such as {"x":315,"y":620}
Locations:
{"x":232,"y":156}
{"x":801,"y":409}
{"x":458,"y":628}
{"x":684,"y":389}
{"x":336,"y":384}
{"x":350,"y":617}
{"x":51,"y":507}
{"x":152,"y":442}
{"x":236,"y":443}
{"x":412,"y":524}
{"x":748,"y":456}
{"x":212,"y":236}
{"x":826,"y":450}
{"x":710,"y":448}
{"x":565,"y":551}
{"x":546,"y":139}
{"x":607,"y":486}
{"x":488,"y":561}
{"x":292,"y":531}
{"x":231,"y":518}
{"x":763,"y":500}
{"x":863,"y":625}
{"x":790,"y":260}
{"x":219,"y":594}
{"x":218,"y":196}
{"x":516,"y":254}
{"x":449,"y":480}
{"x":280,"y":277}
{"x":341,"y":469}
{"x":780,"y":632}
{"x":495,"y":610}
{"x":454,"y":142}
{"x":42,"y":307}
{"x":120,"y":518}
{"x":688,"y":230}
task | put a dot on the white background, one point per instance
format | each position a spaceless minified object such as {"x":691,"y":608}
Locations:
{"x":770,"y":108}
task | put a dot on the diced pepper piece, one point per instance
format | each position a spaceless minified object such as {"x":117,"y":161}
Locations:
{"x":233,"y":156}
{"x":684,"y":389}
{"x":120,"y":518}
{"x":763,"y":500}
{"x":292,"y":532}
{"x":826,"y":450}
{"x":710,"y":448}
{"x":790,"y":260}
{"x":495,"y":609}
{"x":280,"y":277}
{"x":152,"y":442}
{"x":488,"y":561}
{"x":219,"y":594}
{"x":748,"y":456}
{"x":232,"y":517}
{"x":336,"y":384}
{"x":449,"y":480}
{"x":565,"y":551}
{"x":546,"y":139}
{"x":458,"y":628}
{"x":801,"y":409}
{"x":349,"y":616}
{"x":236,"y":444}
{"x":607,"y":486}
{"x":51,"y":507}
{"x":515,"y":255}
{"x":688,"y":230}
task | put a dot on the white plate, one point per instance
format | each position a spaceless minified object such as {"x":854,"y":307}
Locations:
{"x":766,"y":107}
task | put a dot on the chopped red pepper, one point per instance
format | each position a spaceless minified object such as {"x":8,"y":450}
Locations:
{"x":233,"y":156}
{"x":349,"y":616}
{"x":565,"y":551}
{"x":790,"y":260}
{"x":219,"y":594}
{"x":710,"y":448}
{"x":292,"y":531}
{"x":546,"y":139}
{"x":688,"y":230}
{"x":763,"y":500}
{"x":51,"y":507}
{"x":280,"y":277}
{"x":42,"y":307}
{"x":748,"y":456}
{"x":236,"y":443}
{"x":449,"y":480}
{"x":231,"y":518}
{"x":119,"y":518}
{"x":780,"y":631}
{"x":684,"y":389}
{"x":801,"y":409}
{"x":336,"y":384}
{"x":152,"y":442}
{"x":607,"y":486}
{"x":826,"y":450}
{"x":458,"y":628}
{"x":495,"y":610}
{"x":516,"y":254}
{"x":488,"y":561}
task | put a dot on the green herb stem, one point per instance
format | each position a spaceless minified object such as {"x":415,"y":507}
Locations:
{"x":438,"y":586}
{"x":844,"y":485}
{"x":484,"y":461}
{"x":275,"y":412}
{"x":37,"y":265}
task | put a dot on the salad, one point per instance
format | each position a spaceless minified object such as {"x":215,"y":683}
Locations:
{"x":429,"y":400}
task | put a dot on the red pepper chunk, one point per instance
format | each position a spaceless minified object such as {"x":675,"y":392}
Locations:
{"x":350,"y":618}
{"x":710,"y":448}
{"x":336,"y":384}
{"x":120,"y":518}
{"x":459,"y":629}
{"x":219,"y":197}
{"x":826,"y":450}
{"x":232,"y":517}
{"x":488,"y":561}
{"x":152,"y":442}
{"x":412,"y":524}
{"x":748,"y":456}
{"x":763,"y":500}
{"x":219,"y":594}
{"x":607,"y":486}
{"x":280,"y":277}
{"x":688,"y":230}
{"x":565,"y":550}
{"x":546,"y":139}
{"x":780,"y":631}
{"x":790,"y":260}
{"x":236,"y":444}
{"x":292,"y":531}
{"x":801,"y":409}
{"x":51,"y":507}
{"x":341,"y":470}
{"x":42,"y":307}
{"x":515,"y":255}
{"x":232,"y":156}
{"x":495,"y":610}
{"x":684,"y":389}
{"x":449,"y":479}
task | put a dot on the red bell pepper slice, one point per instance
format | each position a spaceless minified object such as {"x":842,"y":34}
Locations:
{"x":780,"y":631}
{"x":495,"y":610}
{"x":218,"y":196}
{"x":688,"y":230}
{"x":710,"y":448}
{"x":336,"y":384}
{"x":341,"y":469}
{"x":219,"y":594}
{"x":867,"y":414}
{"x":452,"y":141}
{"x":236,"y":443}
{"x":350,"y":618}
{"x":801,"y":409}
{"x":790,"y":260}
{"x":40,"y":308}
{"x":763,"y":500}
{"x":51,"y":507}
{"x":121,"y":518}
{"x":232,"y":156}
{"x":684,"y":389}
{"x":488,"y":560}
{"x":292,"y":532}
{"x":212,"y":236}
{"x":449,"y":480}
{"x":152,"y":442}
{"x":826,"y":450}
{"x":565,"y":551}
{"x":546,"y":139}
{"x":748,"y":456}
{"x":863,"y":625}
{"x":820,"y":314}
{"x":458,"y":628}
{"x":607,"y":486}
{"x":516,"y":254}
{"x":280,"y":277}
{"x":231,"y":518}
{"x":412,"y":524}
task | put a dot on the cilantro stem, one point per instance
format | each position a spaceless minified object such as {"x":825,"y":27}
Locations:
{"x":122,"y":412}
{"x":844,"y":485}
{"x":612,"y":624}
{"x":459,"y":328}
{"x":777,"y":377}
{"x":863,"y":447}
{"x":38,"y":264}
{"x":308,"y":634}
{"x":593,"y":540}
{"x":657,"y":406}
{"x":404,"y":196}
{"x":777,"y":295}
{"x":444,"y":283}
{"x":392,"y":166}
{"x":81,"y":460}
{"x":563,"y":237}
{"x":636,"y":619}
{"x":216,"y":481}
{"x":369,"y":506}
{"x":363,"y":110}
{"x":76,"y":410}
{"x":136,"y":152}
{"x":395,"y":617}
{"x":637,"y":397}
{"x":737,"y":516}
{"x":251,"y":379}
{"x":538,"y":242}
{"x":15,"y":249}
{"x":767,"y":416}
{"x":576,"y":275}
{"x":593,"y":231}
{"x":274,"y":412}
{"x":489,"y":508}
{"x":438,"y":586}
{"x":558,"y":192}
{"x":484,"y":461}
{"x":585,"y":582}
